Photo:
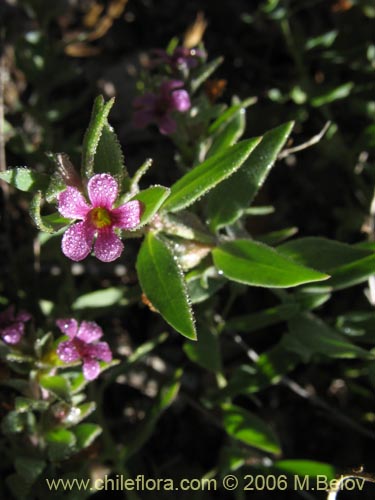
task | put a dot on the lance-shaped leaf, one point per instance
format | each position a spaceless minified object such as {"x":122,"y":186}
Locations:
{"x":60,"y":444}
{"x":250,"y":429}
{"x":309,"y":336}
{"x":207,"y":175}
{"x":152,"y":199}
{"x":256,"y":264}
{"x":91,"y":140}
{"x":164,"y":285}
{"x":230,"y":133}
{"x":200,"y":75}
{"x":229,"y":113}
{"x":108,"y":157}
{"x":228,"y":201}
{"x":86,"y":434}
{"x":56,"y":384}
{"x":25,"y":179}
{"x":347,"y":265}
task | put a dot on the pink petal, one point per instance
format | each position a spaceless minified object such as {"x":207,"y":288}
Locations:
{"x":72,"y":204}
{"x":167,"y":87}
{"x":68,"y":327}
{"x":108,"y":246}
{"x":167,"y":125}
{"x":67,"y":352}
{"x":147,"y":100}
{"x":143,"y":117}
{"x":101,"y":351}
{"x":127,"y":216}
{"x":180,"y":100}
{"x":89,"y":332}
{"x":12,"y":334}
{"x":103,"y":190}
{"x":91,"y":368}
{"x":23,"y":316}
{"x":77,"y":241}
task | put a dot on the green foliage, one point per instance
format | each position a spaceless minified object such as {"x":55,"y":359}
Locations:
{"x":163,"y":283}
{"x":240,"y":189}
{"x":249,"y":429}
{"x":207,"y":175}
{"x":92,"y":139}
{"x":108,"y":157}
{"x":25,"y":179}
{"x":256,"y":264}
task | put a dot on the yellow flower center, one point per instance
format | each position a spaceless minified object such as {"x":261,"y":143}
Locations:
{"x":100,"y":217}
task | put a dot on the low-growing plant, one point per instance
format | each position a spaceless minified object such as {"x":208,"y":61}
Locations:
{"x":183,"y":259}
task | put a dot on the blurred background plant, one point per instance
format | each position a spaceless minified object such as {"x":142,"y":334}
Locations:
{"x":302,"y":391}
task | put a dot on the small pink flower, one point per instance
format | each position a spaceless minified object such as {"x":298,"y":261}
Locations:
{"x":158,"y":107}
{"x":83,"y":345}
{"x":12,"y":327}
{"x":98,"y":219}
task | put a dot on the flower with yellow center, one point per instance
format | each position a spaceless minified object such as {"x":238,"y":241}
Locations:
{"x":98,"y":219}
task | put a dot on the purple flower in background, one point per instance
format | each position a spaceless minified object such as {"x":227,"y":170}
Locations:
{"x":12,"y":326}
{"x":83,"y":345}
{"x":98,"y":219}
{"x":181,"y":58}
{"x":157,"y":108}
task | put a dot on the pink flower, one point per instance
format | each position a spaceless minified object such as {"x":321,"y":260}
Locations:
{"x":98,"y":219}
{"x":12,"y":326}
{"x":158,"y":107}
{"x":83,"y":345}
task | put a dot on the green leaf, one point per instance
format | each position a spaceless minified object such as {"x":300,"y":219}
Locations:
{"x":100,"y":298}
{"x":306,"y":468}
{"x":200,"y":75}
{"x":91,"y":140}
{"x":39,"y":220}
{"x":229,"y":135}
{"x":229,"y":113}
{"x":165,"y":398}
{"x":249,"y":429}
{"x":86,"y":434}
{"x":23,"y":405}
{"x":277,"y":236}
{"x":203,"y":284}
{"x":322,"y":253}
{"x":254,"y":263}
{"x":79,"y":413}
{"x":228,"y":201}
{"x":207,"y":175}
{"x":25,"y":179}
{"x":324,"y":40}
{"x":29,"y":468}
{"x":252,"y":322}
{"x":56,"y":384}
{"x":152,"y":199}
{"x":163,"y":283}
{"x":61,"y":444}
{"x":205,"y":352}
{"x":309,"y":335}
{"x":13,"y":423}
{"x":108,"y":156}
{"x":55,"y":187}
{"x":348,"y":265}
{"x":333,"y":94}
{"x":55,"y":218}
